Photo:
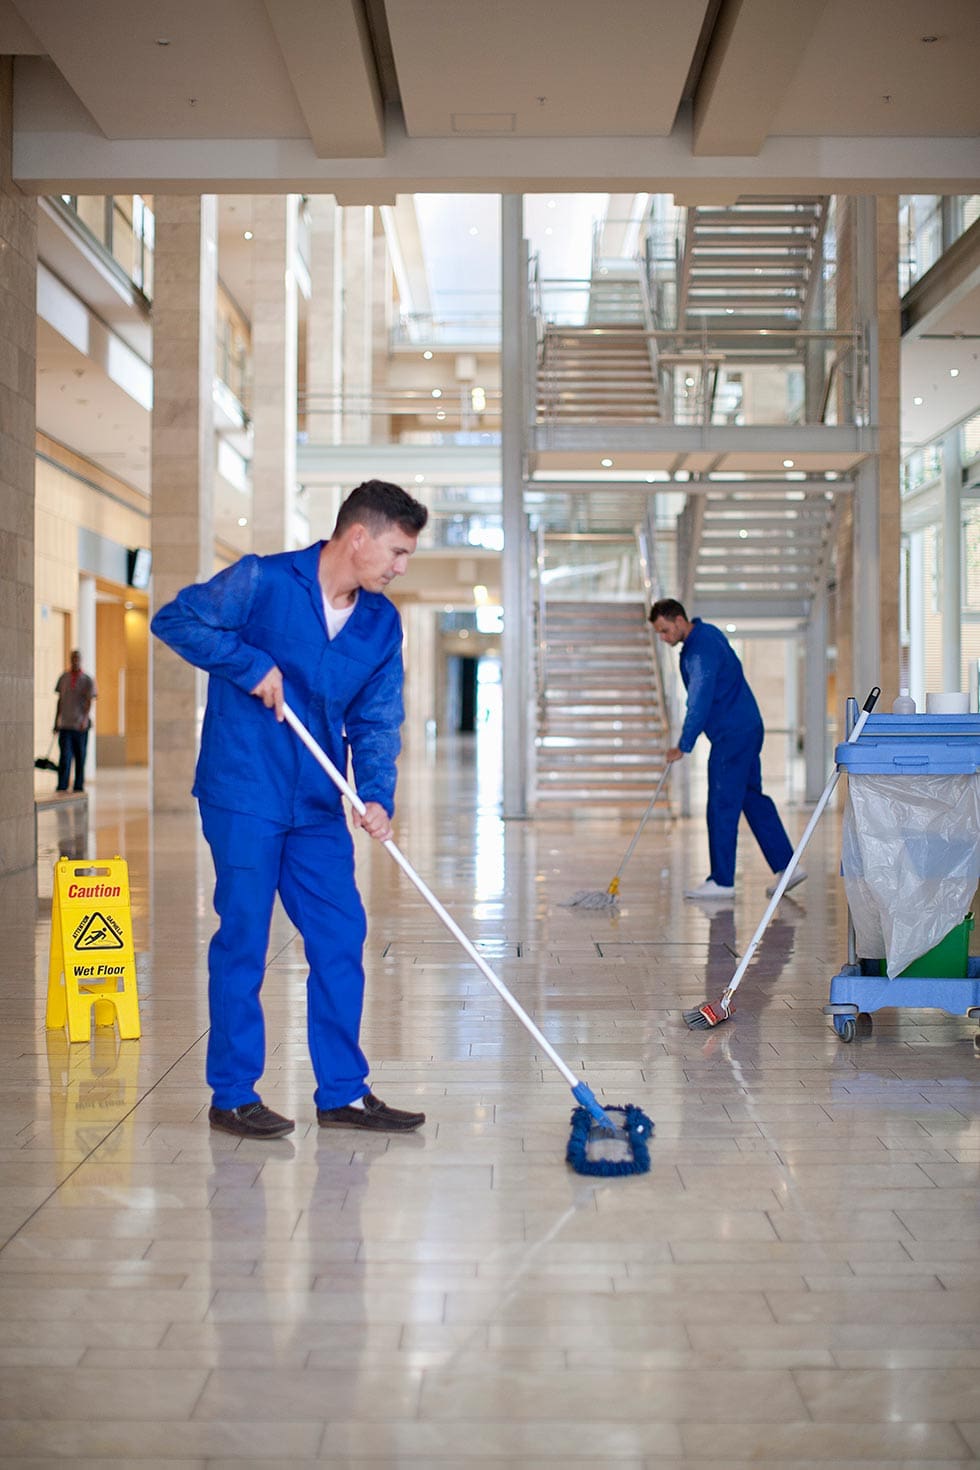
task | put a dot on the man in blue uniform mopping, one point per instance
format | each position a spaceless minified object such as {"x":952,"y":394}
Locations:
{"x":721,"y":706}
{"x":313,"y":627}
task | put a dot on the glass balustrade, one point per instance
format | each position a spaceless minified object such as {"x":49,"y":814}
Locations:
{"x":123,"y":225}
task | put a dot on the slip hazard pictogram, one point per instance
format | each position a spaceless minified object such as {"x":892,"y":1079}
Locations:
{"x":98,"y":931}
{"x":93,"y":965}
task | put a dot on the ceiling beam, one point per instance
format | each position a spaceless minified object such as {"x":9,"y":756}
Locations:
{"x":737,"y":97}
{"x":54,"y":152}
{"x":327,"y":51}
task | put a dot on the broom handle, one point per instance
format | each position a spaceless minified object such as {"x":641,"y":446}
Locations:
{"x":793,"y":863}
{"x":643,"y":821}
{"x":322,"y":759}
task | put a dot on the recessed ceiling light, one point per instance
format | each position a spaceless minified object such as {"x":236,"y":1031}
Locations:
{"x":929,"y":40}
{"x":248,"y":234}
{"x":162,"y":41}
{"x":437,"y":392}
{"x":419,"y":479}
{"x":689,"y":382}
{"x":730,"y":627}
{"x":427,"y":355}
{"x":606,"y":464}
{"x":441,"y":414}
{"x":243,"y":520}
{"x":549,"y":230}
{"x":743,"y":535}
{"x":729,"y":310}
{"x":788,"y":464}
{"x":954,"y":372}
{"x":917,"y":400}
{"x":552,"y":203}
{"x":474,"y":230}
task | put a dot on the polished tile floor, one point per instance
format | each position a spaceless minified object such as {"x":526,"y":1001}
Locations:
{"x":793,"y":1284}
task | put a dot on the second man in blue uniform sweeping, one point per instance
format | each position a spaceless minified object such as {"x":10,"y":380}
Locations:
{"x":721,"y":706}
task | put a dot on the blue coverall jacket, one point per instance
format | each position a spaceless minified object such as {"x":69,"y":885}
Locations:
{"x":268,"y":610}
{"x":273,"y":819}
{"x":720,"y":703}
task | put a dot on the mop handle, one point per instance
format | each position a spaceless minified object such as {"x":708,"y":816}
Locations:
{"x":793,"y":863}
{"x":322,"y":759}
{"x":643,"y":821}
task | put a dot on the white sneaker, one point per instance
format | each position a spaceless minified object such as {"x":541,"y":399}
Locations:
{"x":797,"y":877}
{"x":710,"y":889}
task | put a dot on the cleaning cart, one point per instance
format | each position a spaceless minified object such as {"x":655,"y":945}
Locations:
{"x":911,"y":865}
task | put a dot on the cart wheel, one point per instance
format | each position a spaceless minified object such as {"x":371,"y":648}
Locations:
{"x":864,"y":1024}
{"x":976,"y":1043}
{"x":846,"y":1027}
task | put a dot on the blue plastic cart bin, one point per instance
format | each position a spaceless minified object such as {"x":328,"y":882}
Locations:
{"x":854,"y":995}
{"x":907,"y":745}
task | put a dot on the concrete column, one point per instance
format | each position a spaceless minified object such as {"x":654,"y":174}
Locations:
{"x":918,"y":615}
{"x":815,"y":755}
{"x":87,"y":643}
{"x":382,"y":429}
{"x":358,"y":292}
{"x":514,"y":571}
{"x":324,"y":338}
{"x":182,"y":459}
{"x":323,"y":322}
{"x":274,"y":355}
{"x":18,"y":289}
{"x":952,"y":590}
{"x":868,"y":628}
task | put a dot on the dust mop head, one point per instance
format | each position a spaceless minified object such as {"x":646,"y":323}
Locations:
{"x":593,"y":1149}
{"x":589,"y":899}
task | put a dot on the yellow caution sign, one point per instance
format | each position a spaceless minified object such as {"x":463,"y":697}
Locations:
{"x":93,"y":964}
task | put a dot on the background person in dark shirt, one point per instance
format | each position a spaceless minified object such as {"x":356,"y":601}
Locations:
{"x":75,"y":691}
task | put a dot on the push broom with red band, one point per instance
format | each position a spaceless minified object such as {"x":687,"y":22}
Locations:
{"x":714,"y":1013}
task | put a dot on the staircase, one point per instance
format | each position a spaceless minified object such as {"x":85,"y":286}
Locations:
{"x":750,"y":264}
{"x":749,"y":552}
{"x":602,"y":727}
{"x":601,"y":372}
{"x":591,"y":375}
{"x":616,"y":299}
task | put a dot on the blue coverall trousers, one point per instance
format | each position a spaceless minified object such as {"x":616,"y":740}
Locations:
{"x":312,"y":868}
{"x":734,"y":787}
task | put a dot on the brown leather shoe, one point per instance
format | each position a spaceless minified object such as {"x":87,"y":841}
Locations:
{"x":374,"y":1114}
{"x":251,"y":1120}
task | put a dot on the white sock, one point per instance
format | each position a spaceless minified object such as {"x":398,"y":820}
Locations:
{"x":357,"y":1103}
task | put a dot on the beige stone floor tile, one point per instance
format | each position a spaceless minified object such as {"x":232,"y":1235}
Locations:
{"x":131,"y":1442}
{"x":663,"y":1395}
{"x":519,"y":1441}
{"x":927,"y":1395}
{"x":100,"y":1462}
{"x":61,"y":1393}
{"x":827,"y":1444}
{"x":289,"y":1395}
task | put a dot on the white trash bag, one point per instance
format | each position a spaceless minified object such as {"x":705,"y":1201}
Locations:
{"x":910,"y":860}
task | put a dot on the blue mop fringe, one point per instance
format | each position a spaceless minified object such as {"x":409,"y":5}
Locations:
{"x":637,"y":1127}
